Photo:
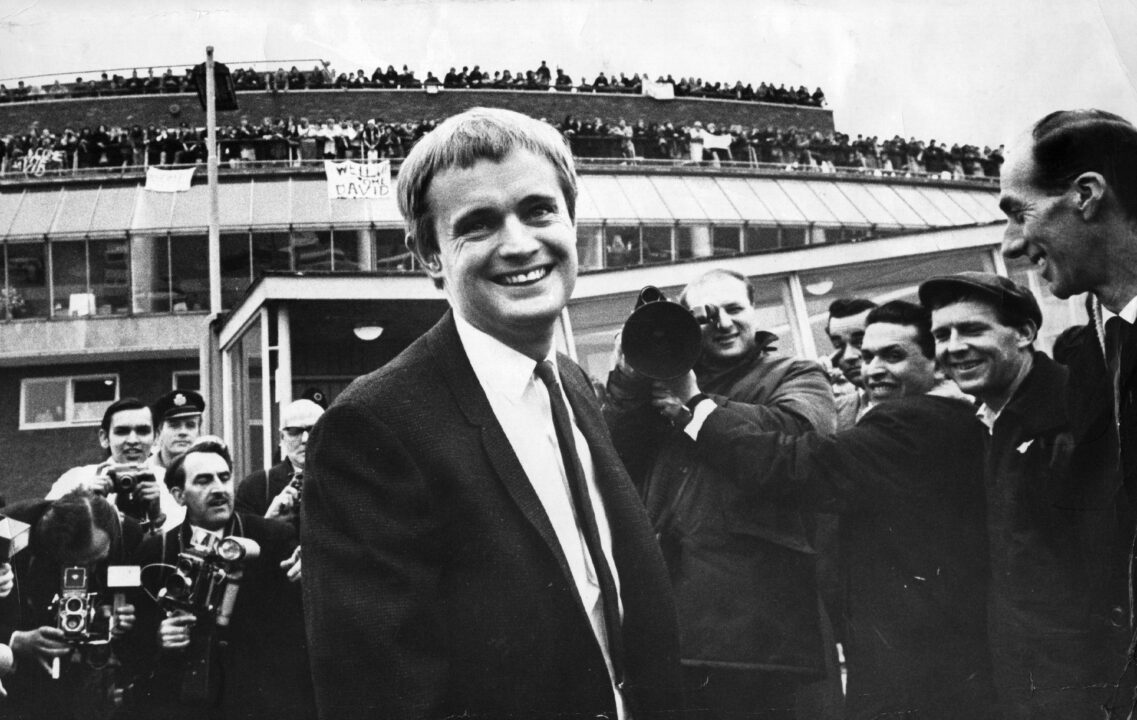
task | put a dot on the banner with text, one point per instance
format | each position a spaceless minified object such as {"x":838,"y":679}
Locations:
{"x":162,"y":180}
{"x":352,"y":180}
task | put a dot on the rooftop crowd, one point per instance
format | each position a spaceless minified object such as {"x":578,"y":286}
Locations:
{"x":323,"y":77}
{"x":284,"y":140}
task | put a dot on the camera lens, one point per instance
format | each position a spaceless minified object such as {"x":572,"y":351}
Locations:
{"x":73,"y":605}
{"x":72,"y":623}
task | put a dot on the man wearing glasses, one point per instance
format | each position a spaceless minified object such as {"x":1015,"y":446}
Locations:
{"x":273,"y":494}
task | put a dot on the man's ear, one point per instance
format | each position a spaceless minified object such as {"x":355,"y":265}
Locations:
{"x":104,"y":441}
{"x":1028,"y":333}
{"x":179,"y":495}
{"x":1091,"y":188}
{"x":429,"y":261}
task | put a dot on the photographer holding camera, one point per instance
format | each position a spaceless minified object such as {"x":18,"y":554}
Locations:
{"x":125,"y":477}
{"x":62,"y":619}
{"x":744,"y":576}
{"x":276,"y":494}
{"x":221,"y":634}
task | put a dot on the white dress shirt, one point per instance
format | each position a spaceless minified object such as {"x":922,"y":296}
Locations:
{"x":83,"y":474}
{"x":520,"y":403}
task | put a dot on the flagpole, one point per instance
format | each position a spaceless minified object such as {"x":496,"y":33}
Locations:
{"x":211,"y":177}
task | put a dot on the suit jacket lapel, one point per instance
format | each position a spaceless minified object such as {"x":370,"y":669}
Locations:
{"x":463,"y":383}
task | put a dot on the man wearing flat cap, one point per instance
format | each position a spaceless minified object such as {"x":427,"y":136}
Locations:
{"x":1057,"y":598}
{"x":178,"y":414}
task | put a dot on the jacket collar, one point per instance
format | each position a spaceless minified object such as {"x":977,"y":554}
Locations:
{"x":1039,"y":404}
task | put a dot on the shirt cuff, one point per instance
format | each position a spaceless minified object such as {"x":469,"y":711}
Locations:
{"x":699,"y":416}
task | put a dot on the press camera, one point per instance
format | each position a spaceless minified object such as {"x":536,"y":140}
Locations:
{"x":207,"y":576}
{"x":85,"y":616}
{"x":126,"y":479}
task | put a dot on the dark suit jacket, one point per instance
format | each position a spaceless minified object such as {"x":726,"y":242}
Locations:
{"x":257,"y":490}
{"x":434,"y":585}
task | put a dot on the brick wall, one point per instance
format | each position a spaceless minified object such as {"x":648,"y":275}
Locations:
{"x":402,"y":105}
{"x":33,"y":459}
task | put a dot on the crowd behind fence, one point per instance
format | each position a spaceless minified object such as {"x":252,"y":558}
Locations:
{"x":323,"y":77}
{"x":42,"y":151}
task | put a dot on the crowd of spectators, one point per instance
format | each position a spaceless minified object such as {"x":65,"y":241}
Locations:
{"x":288,"y":140}
{"x":322,"y":77}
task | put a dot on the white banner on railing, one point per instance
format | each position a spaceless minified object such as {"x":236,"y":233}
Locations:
{"x":659,"y":90}
{"x":353,"y":180}
{"x":162,"y":180}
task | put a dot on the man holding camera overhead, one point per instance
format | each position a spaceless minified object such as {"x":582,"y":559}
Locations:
{"x":744,"y":579}
{"x":221,"y":634}
{"x":125,"y":477}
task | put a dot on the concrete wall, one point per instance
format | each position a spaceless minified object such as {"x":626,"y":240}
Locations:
{"x":402,"y":105}
{"x":33,"y":459}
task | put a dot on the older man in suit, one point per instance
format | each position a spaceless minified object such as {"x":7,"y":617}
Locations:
{"x":473,"y":546}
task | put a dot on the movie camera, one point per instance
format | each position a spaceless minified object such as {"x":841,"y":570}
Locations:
{"x":662,"y":339}
{"x":207,"y":576}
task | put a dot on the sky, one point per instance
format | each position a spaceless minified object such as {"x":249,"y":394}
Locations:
{"x":968,"y":71}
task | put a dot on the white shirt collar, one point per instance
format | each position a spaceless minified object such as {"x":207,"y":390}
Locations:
{"x":1128,"y":313}
{"x":499,"y":368}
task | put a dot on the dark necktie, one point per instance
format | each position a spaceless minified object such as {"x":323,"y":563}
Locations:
{"x":1117,"y":334}
{"x":582,"y":503}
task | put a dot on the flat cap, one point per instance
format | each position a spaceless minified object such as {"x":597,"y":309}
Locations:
{"x":178,"y":403}
{"x":1002,"y":292}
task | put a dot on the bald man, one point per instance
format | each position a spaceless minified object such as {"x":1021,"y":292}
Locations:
{"x":274,"y":494}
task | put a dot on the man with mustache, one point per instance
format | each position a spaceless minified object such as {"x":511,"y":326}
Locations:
{"x":256,"y":665}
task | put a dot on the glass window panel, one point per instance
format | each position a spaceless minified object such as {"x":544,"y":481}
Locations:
{"x":621,"y":245}
{"x":678,"y":198}
{"x":923,"y":206}
{"x":880,"y":282}
{"x":726,"y":239}
{"x":742,"y":197}
{"x":838,"y":203}
{"x":610,"y":200}
{"x":310,"y":204}
{"x":69,"y":270}
{"x":187,"y":380}
{"x":27,"y":280}
{"x":694,"y":241}
{"x":801,"y":192}
{"x":236,"y":268}
{"x":312,"y":249}
{"x":656,"y":243}
{"x":586,"y":211}
{"x":391,"y":252}
{"x":191,"y":209}
{"x":983,"y":206}
{"x":272,"y":203}
{"x":91,"y":397}
{"x":189,"y":261}
{"x":75,"y":211}
{"x":234,"y":201}
{"x":152,"y":212}
{"x":271,"y":251}
{"x":589,"y":247}
{"x":896,"y":206}
{"x":347,"y":247}
{"x":150,"y":270}
{"x":645,"y":201}
{"x":36,"y":213}
{"x":955,"y":214}
{"x":110,"y":276}
{"x":867,"y":204}
{"x":711,"y":198}
{"x":761,"y":238}
{"x":45,"y":401}
{"x":114,"y":209}
{"x":9,"y":206}
{"x":782,"y":208}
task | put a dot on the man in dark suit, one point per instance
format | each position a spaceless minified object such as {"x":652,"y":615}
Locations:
{"x":472,"y":544}
{"x":1069,"y":191}
{"x":274,"y":494}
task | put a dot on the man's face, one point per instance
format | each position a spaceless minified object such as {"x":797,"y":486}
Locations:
{"x":130,"y":436}
{"x":1049,"y":231}
{"x":177,"y":434}
{"x":846,"y":334}
{"x":893,"y":364}
{"x":730,"y":327}
{"x":208,"y":492}
{"x":294,"y":430}
{"x":979,"y":353}
{"x":507,"y":246}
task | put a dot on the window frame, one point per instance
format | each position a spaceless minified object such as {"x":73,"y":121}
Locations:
{"x":69,"y":401}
